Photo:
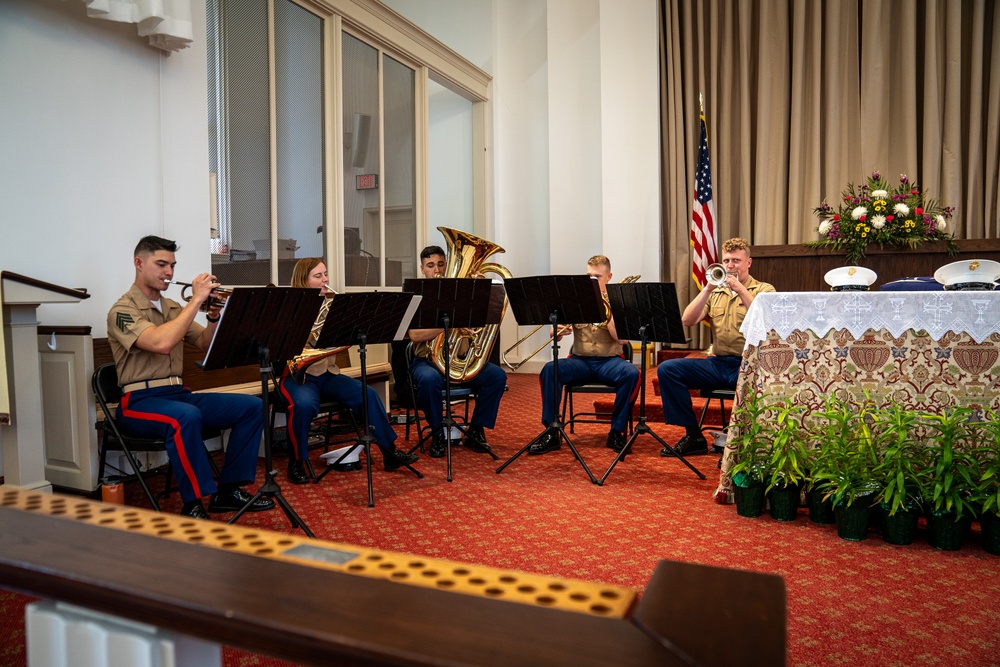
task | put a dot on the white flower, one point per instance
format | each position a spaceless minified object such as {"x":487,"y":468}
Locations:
{"x":901,"y":209}
{"x":942,"y":224}
{"x":878,"y":221}
{"x":824,"y":227}
{"x":859,"y":212}
{"x":880,"y":194}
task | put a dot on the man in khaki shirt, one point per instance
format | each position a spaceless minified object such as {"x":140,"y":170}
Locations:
{"x":596,"y":357}
{"x":725,"y":307}
{"x":147,"y":331}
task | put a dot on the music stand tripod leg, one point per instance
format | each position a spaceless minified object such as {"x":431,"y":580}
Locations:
{"x":556,"y":427}
{"x":270,"y":488}
{"x":642,"y":427}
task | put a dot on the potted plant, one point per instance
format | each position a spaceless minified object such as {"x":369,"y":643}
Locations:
{"x":899,"y":472}
{"x":787,"y":464}
{"x":749,"y":436}
{"x":845,"y":470}
{"x":988,"y":488}
{"x":952,"y":476}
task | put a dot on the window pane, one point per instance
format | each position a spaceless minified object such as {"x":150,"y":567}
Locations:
{"x":298,"y":79}
{"x":400,"y":160}
{"x":362,"y":219}
{"x":450,"y":197}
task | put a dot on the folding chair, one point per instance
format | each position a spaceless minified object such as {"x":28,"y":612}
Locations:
{"x":591,"y":388}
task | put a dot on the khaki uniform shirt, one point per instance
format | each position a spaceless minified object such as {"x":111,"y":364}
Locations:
{"x":727,"y":312}
{"x":132,"y":314}
{"x":591,"y":341}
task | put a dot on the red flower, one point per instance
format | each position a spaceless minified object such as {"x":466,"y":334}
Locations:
{"x":836,"y":217}
{"x":847,"y":198}
{"x":890,"y":218}
{"x":919,"y":211}
{"x":863,"y":218}
{"x":914,"y":191}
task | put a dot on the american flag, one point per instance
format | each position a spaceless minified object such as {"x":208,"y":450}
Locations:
{"x":704,"y":245}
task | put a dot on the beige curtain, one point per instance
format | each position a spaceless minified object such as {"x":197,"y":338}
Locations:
{"x":803,"y":96}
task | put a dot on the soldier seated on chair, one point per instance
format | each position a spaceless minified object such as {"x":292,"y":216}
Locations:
{"x":324,"y":381}
{"x":488,"y":384}
{"x":596,"y":357}
{"x":147,"y":332}
{"x":724,"y":306}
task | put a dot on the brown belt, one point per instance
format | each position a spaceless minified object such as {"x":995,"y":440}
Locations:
{"x":152,"y":384}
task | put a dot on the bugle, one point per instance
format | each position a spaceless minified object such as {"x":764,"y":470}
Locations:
{"x":218,"y":297}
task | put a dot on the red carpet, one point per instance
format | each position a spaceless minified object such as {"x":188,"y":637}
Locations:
{"x":866,"y":603}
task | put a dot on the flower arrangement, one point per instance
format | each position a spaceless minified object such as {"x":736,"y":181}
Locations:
{"x":873,"y":212}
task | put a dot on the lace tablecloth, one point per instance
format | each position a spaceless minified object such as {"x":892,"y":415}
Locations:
{"x":974,"y":313}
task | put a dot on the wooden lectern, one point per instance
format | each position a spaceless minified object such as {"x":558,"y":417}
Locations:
{"x":22,"y":424}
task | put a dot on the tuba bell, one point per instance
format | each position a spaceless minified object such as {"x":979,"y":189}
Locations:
{"x":470,"y":348}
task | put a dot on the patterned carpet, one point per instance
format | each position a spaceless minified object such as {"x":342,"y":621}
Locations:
{"x":866,"y":603}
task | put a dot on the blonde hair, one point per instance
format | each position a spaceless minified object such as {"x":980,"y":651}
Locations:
{"x":599,"y":260}
{"x":736,"y":243}
{"x":300,"y":274}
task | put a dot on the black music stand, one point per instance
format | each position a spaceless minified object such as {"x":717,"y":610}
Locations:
{"x":646,"y":312}
{"x":449,"y":303}
{"x":269,"y":325}
{"x":555,"y":300}
{"x":359,"y":319}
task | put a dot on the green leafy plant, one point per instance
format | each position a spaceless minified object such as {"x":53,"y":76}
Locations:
{"x":900,"y":454}
{"x":952,"y":469}
{"x":845,"y":467}
{"x":750,"y":436}
{"x":988,"y":458}
{"x":875,"y":212}
{"x":789,"y":458}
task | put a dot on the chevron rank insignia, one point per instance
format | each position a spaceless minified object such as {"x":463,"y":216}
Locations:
{"x":123,"y":321}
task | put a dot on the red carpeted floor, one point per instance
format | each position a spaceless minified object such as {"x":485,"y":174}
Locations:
{"x":866,"y":603}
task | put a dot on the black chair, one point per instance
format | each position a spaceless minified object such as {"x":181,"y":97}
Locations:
{"x":459,"y":393}
{"x":722,"y":395}
{"x":592,"y":388}
{"x":106,"y":390}
{"x":331,"y":414}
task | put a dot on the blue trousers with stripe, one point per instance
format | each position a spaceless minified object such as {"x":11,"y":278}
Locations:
{"x":178,"y":415}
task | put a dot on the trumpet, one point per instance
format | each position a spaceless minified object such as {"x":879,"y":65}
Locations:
{"x":514,"y":365}
{"x":716,"y":274}
{"x":219,"y":298}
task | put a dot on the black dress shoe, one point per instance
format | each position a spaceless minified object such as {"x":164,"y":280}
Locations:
{"x":235,"y":500}
{"x":353,"y":466}
{"x":438,"y":447}
{"x":475,"y":440}
{"x":297,"y":472}
{"x":688,"y":446}
{"x":616,"y":440}
{"x":398,"y":459}
{"x":549,"y":443}
{"x":196,"y":511}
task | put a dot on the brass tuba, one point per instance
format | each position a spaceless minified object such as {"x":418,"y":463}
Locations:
{"x":467,"y":256}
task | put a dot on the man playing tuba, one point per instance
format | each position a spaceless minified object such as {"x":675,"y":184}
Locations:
{"x":596,"y":357}
{"x":488,"y":384}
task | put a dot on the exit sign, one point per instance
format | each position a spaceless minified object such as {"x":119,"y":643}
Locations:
{"x":367,"y":182}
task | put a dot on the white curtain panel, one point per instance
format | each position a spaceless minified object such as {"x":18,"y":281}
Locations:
{"x":167,"y":23}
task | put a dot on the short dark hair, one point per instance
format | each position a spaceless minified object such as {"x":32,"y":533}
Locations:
{"x":430,"y":251}
{"x":149,"y":244}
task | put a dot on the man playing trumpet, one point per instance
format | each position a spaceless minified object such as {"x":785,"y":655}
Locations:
{"x":146,"y":331}
{"x":596,"y":357}
{"x":323,"y":380}
{"x":724,"y":306}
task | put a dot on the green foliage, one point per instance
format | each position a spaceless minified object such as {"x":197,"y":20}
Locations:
{"x":901,"y":456}
{"x":789,"y":457}
{"x":987,"y":455}
{"x":950,"y":465}
{"x":749,"y":434}
{"x":845,"y":467}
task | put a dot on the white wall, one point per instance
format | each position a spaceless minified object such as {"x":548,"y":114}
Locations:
{"x":104,"y":140}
